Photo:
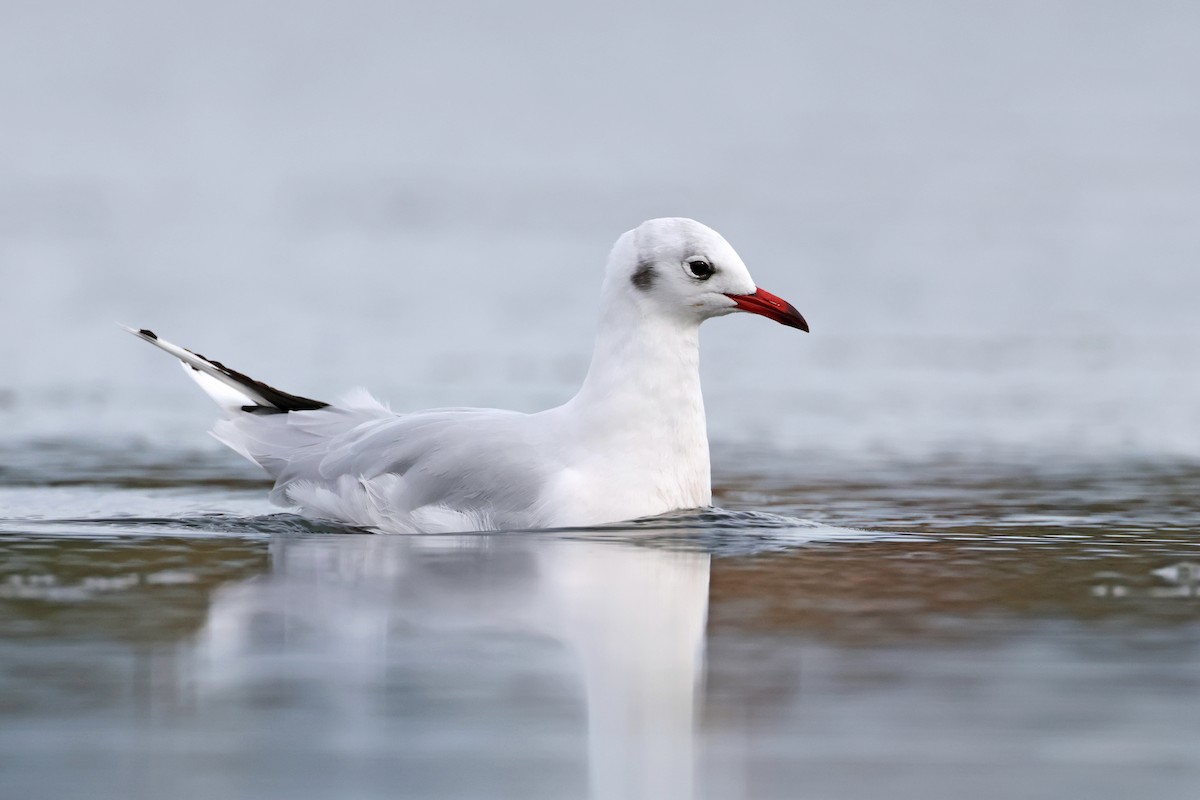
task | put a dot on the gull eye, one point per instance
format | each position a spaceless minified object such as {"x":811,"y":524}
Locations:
{"x":700,"y":269}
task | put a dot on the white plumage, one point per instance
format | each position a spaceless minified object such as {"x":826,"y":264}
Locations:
{"x":632,"y":443}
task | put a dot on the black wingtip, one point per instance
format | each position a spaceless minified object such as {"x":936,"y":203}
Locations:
{"x":273,"y":401}
{"x":264,"y":410}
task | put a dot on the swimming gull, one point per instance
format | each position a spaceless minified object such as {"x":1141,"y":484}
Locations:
{"x":631,"y":443}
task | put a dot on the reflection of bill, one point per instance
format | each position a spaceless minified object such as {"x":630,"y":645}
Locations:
{"x":359,"y":617}
{"x":1182,"y":579}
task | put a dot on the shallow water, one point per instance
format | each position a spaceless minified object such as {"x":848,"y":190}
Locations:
{"x":919,"y":629}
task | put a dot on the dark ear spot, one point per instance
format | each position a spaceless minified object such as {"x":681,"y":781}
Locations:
{"x":643,"y":276}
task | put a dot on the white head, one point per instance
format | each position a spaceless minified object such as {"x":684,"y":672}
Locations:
{"x":680,"y":268}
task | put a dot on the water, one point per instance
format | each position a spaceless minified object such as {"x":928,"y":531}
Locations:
{"x":957,"y":551}
{"x":924,"y":629}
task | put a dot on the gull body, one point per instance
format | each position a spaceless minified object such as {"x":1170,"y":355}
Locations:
{"x":631,"y":443}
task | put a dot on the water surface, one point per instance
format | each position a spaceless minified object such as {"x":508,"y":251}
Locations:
{"x":920,"y":629}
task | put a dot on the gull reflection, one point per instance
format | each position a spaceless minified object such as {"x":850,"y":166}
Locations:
{"x":358,"y":621}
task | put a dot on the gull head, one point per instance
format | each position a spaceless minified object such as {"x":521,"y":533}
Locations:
{"x":682,"y":269}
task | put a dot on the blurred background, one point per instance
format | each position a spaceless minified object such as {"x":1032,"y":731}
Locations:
{"x":988,"y":211}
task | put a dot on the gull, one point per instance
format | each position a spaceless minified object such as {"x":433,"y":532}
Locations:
{"x":631,"y":443}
